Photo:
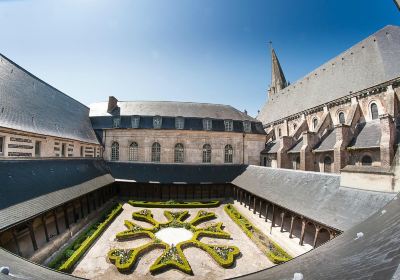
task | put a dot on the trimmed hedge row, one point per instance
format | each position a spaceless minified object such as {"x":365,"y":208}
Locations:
{"x":272,"y":250}
{"x":172,"y":257}
{"x":175,"y":204}
{"x":70,"y":255}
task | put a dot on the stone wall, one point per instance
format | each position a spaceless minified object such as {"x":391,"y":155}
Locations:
{"x":193,"y":142}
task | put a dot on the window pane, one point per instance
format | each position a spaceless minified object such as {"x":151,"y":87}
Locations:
{"x":247,"y":126}
{"x":228,"y":154}
{"x":133,"y":151}
{"x":156,"y":152}
{"x":206,"y":153}
{"x":157,"y":121}
{"x":179,"y":123}
{"x":116,"y":122}
{"x":135,"y":121}
{"x":37,"y":149}
{"x":207,"y":124}
{"x":228,"y":125}
{"x":179,"y":153}
{"x":374,"y":111}
{"x":1,"y":145}
{"x":115,"y":151}
{"x":341,"y":117}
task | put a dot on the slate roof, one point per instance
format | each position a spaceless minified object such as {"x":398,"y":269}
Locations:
{"x":297,"y":147}
{"x":368,"y":135}
{"x":175,"y":173}
{"x":271,"y":147}
{"x":315,"y":195}
{"x":375,"y":255}
{"x":146,"y":122}
{"x":29,"y":104}
{"x":327,"y":143}
{"x":31,"y":187}
{"x":373,"y":61}
{"x":171,"y":109}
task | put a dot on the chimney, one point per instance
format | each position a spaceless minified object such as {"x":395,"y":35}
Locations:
{"x":112,"y":104}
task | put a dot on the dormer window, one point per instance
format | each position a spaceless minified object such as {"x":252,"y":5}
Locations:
{"x":135,"y":120}
{"x":247,"y":126}
{"x":179,"y":123}
{"x":207,"y":124}
{"x":157,"y":122}
{"x":228,"y":125}
{"x":116,"y":122}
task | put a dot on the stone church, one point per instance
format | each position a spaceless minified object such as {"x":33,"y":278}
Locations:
{"x":340,"y":118}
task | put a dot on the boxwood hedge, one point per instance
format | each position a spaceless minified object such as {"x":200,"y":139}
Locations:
{"x":175,"y":204}
{"x":65,"y":260}
{"x":272,"y":250}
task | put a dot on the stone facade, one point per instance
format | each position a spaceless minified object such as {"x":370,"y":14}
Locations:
{"x":246,"y":147}
{"x":353,"y":128}
{"x":19,"y":144}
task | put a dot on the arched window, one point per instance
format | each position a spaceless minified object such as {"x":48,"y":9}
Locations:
{"x":341,"y":118}
{"x":156,"y":152}
{"x":315,"y":123}
{"x":327,"y":164}
{"x":133,"y":151}
{"x":115,"y":151}
{"x":366,"y":160}
{"x":294,"y":126}
{"x":279,"y":132}
{"x":228,"y":154}
{"x":207,"y":153}
{"x":374,"y":111}
{"x":179,"y":153}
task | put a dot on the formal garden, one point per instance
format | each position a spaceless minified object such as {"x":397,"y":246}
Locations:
{"x":169,"y":239}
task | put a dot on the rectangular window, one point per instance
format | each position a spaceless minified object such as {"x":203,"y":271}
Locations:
{"x":179,"y":123}
{"x":116,"y":122}
{"x":63,"y":150}
{"x":247,"y":126}
{"x":228,"y":125}
{"x":1,"y":146}
{"x":135,"y":120}
{"x":37,"y":148}
{"x":157,"y":122}
{"x":81,"y":151}
{"x":207,"y":124}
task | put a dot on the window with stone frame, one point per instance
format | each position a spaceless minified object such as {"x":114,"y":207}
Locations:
{"x":228,"y":154}
{"x":179,"y":123}
{"x":2,"y":146}
{"x":157,"y":122}
{"x":116,"y":122}
{"x":207,"y":153}
{"x":342,"y":118}
{"x":115,"y":151}
{"x":247,"y":126}
{"x":135,"y":121}
{"x":133,"y":152}
{"x":315,"y":123}
{"x":179,"y":153}
{"x":366,"y":160}
{"x":207,"y":124}
{"x":374,"y":111}
{"x":228,"y":125}
{"x":156,"y":152}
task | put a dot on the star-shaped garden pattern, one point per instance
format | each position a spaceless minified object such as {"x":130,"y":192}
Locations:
{"x":173,"y":256}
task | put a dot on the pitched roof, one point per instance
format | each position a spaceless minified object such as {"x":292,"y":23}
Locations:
{"x":297,"y":147}
{"x":29,"y":104}
{"x":271,"y":147}
{"x":368,"y":135}
{"x":373,"y":61}
{"x":171,"y":109}
{"x":327,"y":143}
{"x":31,"y":187}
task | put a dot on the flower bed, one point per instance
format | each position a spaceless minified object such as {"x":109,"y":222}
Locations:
{"x":272,"y":250}
{"x":175,"y":204}
{"x":71,"y":255}
{"x":172,"y":257}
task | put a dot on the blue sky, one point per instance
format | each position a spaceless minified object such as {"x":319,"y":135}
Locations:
{"x":212,"y":51}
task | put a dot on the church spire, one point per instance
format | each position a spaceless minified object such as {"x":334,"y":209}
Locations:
{"x":278,"y":81}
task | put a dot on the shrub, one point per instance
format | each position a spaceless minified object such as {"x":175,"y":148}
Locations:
{"x":175,"y":204}
{"x":272,"y":250}
{"x":71,"y":255}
